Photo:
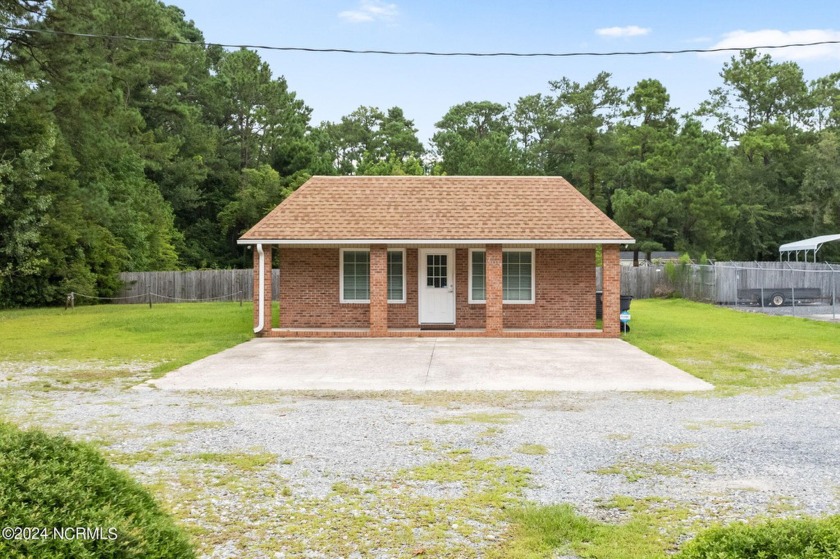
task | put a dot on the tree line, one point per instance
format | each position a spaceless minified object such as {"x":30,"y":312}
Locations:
{"x":120,"y":155}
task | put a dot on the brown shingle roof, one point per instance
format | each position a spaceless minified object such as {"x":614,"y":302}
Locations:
{"x":436,"y":208}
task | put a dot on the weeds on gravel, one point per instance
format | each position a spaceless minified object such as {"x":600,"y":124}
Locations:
{"x":721,"y":424}
{"x":634,"y":470}
{"x":398,"y":517}
{"x":478,"y":417}
{"x":532,"y":449}
{"x":735,"y":350}
{"x":241,"y":461}
{"x":551,"y":531}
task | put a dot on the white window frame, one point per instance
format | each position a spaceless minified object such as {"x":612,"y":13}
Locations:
{"x":367,"y":301}
{"x":341,"y":278}
{"x":530,"y":301}
{"x":533,"y":298}
{"x":402,"y":251}
{"x":470,"y":299}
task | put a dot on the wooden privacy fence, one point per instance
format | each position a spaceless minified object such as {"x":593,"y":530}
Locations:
{"x":198,"y":285}
{"x":719,"y":283}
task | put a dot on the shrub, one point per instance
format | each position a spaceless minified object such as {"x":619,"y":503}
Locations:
{"x":51,"y":483}
{"x":807,"y":538}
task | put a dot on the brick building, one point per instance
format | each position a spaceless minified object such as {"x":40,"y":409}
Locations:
{"x":442,"y":256}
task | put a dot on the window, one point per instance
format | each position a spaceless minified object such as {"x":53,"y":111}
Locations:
{"x":517,"y":276}
{"x":436,"y":270}
{"x":477,"y":276}
{"x":355,"y":276}
{"x":396,"y":276}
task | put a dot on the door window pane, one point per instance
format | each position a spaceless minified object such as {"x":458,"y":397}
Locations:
{"x":436,"y":270}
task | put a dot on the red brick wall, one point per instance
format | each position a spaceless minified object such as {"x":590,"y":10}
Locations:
{"x":378,"y":290}
{"x":309,"y":295}
{"x":565,"y":292}
{"x":493,"y":308}
{"x":611,"y":297}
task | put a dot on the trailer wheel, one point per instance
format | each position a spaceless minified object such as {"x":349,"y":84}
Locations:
{"x":777,"y":299}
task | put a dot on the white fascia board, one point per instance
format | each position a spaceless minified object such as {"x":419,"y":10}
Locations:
{"x":433,"y":242}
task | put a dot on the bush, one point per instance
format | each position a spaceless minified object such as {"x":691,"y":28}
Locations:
{"x":807,"y":538}
{"x":53,"y":484}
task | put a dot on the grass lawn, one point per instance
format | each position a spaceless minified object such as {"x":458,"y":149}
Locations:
{"x":168,"y":336}
{"x":736,"y":350}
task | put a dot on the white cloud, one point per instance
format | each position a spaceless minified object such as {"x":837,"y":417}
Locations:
{"x":628,"y":31}
{"x":369,"y":11}
{"x":772,"y":37}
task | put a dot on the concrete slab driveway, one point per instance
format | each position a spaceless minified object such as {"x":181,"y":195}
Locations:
{"x":432,"y":364}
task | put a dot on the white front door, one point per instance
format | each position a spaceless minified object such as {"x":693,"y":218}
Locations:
{"x":436,"y":273}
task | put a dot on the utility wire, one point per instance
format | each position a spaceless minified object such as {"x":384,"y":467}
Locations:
{"x":416,"y":52}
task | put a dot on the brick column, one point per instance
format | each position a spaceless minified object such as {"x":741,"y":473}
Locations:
{"x":378,"y":290}
{"x":611,"y":288}
{"x":493,"y":318}
{"x":266,"y":271}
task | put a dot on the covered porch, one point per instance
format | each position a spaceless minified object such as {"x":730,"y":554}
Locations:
{"x":443,"y":290}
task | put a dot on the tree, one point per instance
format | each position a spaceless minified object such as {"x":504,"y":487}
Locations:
{"x":535,"y":124}
{"x":260,"y":191}
{"x":821,"y":185}
{"x":368,"y":137}
{"x":647,"y":138}
{"x":584,"y":146}
{"x":763,"y":111}
{"x":27,"y":138}
{"x":260,"y":113}
{"x":475,"y":139}
{"x":825,"y":95}
{"x":647,"y":217}
{"x":757,"y":91}
{"x":706,"y":213}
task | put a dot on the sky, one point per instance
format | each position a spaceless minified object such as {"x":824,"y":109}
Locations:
{"x":334,"y":85}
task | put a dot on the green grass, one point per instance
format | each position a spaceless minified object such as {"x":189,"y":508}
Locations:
{"x":635,"y":470}
{"x":557,"y":530}
{"x":736,"y":350}
{"x":167,"y":336}
{"x":532,"y":449}
{"x":242,"y":461}
{"x":478,"y":417}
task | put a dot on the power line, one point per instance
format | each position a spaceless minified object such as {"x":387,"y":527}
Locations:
{"x":416,"y":52}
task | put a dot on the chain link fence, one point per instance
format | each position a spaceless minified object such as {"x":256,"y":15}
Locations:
{"x":778,"y":288}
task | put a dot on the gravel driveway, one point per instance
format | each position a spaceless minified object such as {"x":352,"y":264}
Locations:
{"x":266,"y":474}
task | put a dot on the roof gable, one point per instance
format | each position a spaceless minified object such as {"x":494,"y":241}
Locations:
{"x":435,"y":208}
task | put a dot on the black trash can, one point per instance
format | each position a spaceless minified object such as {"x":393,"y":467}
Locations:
{"x":599,"y":303}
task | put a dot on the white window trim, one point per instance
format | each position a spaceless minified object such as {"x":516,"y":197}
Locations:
{"x":530,"y":301}
{"x":470,"y":299}
{"x":341,"y":277}
{"x":533,"y":298}
{"x":398,"y":301}
{"x":367,"y":301}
